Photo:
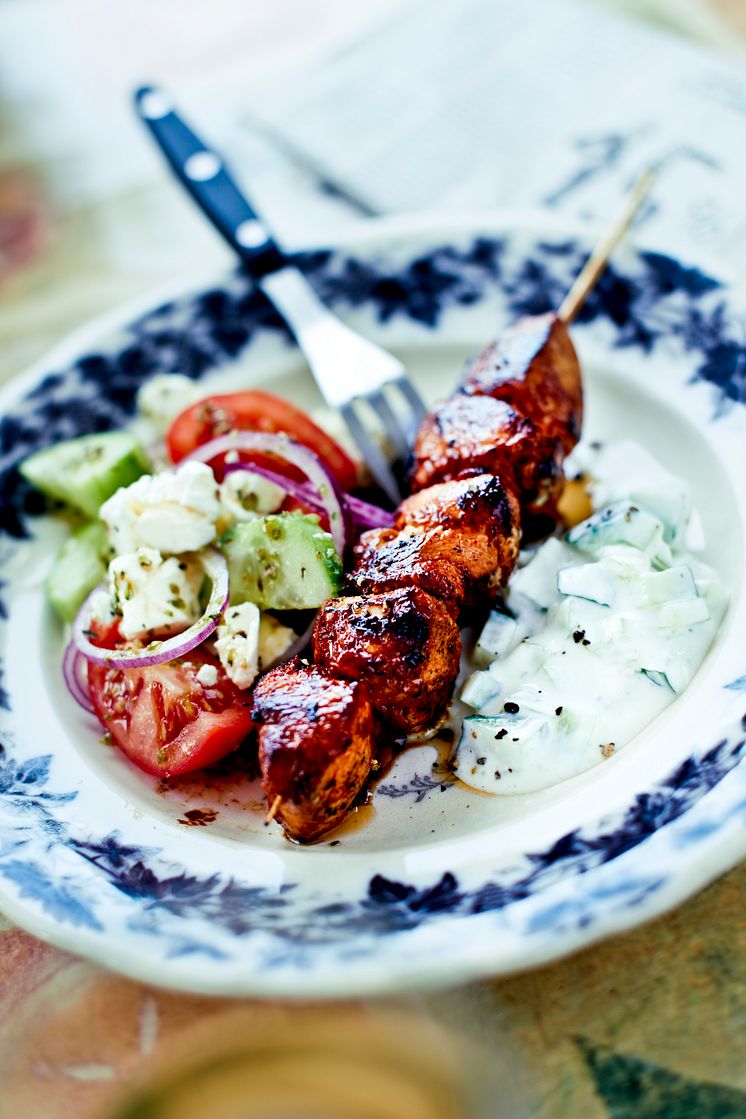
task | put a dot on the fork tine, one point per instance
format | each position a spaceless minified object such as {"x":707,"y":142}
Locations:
{"x":390,"y":421}
{"x":415,"y":401}
{"x":374,"y":458}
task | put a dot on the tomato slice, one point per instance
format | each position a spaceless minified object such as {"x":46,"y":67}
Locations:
{"x":163,"y":719}
{"x":256,"y":411}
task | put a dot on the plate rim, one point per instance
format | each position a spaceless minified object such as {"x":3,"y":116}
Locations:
{"x":360,"y":237}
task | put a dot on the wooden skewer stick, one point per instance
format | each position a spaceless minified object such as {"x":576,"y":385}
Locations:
{"x":273,"y":809}
{"x":599,"y":258}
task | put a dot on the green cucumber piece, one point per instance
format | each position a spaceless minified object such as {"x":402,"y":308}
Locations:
{"x":589,"y":581}
{"x":283,"y":561}
{"x":621,"y":523}
{"x":79,"y":567}
{"x":664,"y":586}
{"x":84,"y":472}
{"x":497,"y":637}
{"x":479,"y":689}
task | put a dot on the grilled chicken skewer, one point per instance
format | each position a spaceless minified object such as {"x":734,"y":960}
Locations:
{"x":483,"y":461}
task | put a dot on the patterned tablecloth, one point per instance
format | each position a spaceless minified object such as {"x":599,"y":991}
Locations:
{"x":650,"y":1024}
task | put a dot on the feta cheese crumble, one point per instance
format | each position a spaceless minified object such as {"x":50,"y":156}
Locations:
{"x":207,"y":675}
{"x":174,"y":512}
{"x":153,"y":595}
{"x":274,"y":640}
{"x":238,"y":643}
{"x":163,"y":397}
{"x":244,"y":495}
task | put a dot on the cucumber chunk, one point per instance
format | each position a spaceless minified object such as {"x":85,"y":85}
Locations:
{"x":664,"y":586}
{"x":84,"y":472}
{"x":479,"y":689}
{"x":588,"y":580}
{"x":79,"y":567}
{"x":538,"y":578}
{"x":622,"y":523}
{"x":283,"y":561}
{"x":496,"y":639}
{"x":683,"y":612}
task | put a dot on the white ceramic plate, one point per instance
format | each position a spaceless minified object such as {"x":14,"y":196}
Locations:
{"x":438,"y":884}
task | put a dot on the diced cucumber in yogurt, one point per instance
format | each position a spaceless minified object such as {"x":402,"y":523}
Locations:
{"x":716,"y":597}
{"x":675,"y":582}
{"x":497,"y":637}
{"x":682,"y":612}
{"x":524,"y":660}
{"x":622,"y":523}
{"x":625,"y":470}
{"x":538,"y":579}
{"x":660,"y":679}
{"x":599,"y":648}
{"x":588,"y":580}
{"x":479,"y":689}
{"x":482,"y":731}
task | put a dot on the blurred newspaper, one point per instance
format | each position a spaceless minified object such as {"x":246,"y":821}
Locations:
{"x":474,"y":104}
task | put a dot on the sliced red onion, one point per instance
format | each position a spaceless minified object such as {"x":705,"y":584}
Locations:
{"x":73,"y":664}
{"x":362,"y":513}
{"x":158,"y":652}
{"x":318,"y":474}
{"x":366,"y":515}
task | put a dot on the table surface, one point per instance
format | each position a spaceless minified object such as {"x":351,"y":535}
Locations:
{"x":651,"y":1023}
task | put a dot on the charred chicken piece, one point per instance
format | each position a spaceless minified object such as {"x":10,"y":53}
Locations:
{"x":315,"y":745}
{"x":484,"y":514}
{"x":387,"y":560}
{"x":534,"y":368}
{"x":468,"y":435}
{"x":403,"y":643}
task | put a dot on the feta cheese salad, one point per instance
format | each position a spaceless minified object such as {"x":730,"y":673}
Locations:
{"x":193,"y":569}
{"x":196,"y":567}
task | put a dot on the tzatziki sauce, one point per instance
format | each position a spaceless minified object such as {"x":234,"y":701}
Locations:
{"x":603,"y":627}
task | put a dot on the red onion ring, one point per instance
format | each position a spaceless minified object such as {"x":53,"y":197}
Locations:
{"x":158,"y":652}
{"x":318,"y":474}
{"x":366,"y":515}
{"x":361,"y":513}
{"x":72,"y":662}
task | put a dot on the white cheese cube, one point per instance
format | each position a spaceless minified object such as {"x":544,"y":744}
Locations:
{"x":174,"y":512}
{"x":163,"y":397}
{"x":245,"y":495}
{"x":274,"y":640}
{"x":101,"y":608}
{"x":238,"y":643}
{"x":207,"y":675}
{"x":153,"y":595}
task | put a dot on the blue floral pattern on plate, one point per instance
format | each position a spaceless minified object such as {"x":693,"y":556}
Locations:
{"x":126,"y":896}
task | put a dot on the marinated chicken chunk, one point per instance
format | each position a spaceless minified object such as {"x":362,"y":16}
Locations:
{"x":386,"y":560}
{"x":468,"y":435}
{"x":315,"y":745}
{"x":534,"y":368}
{"x":484,"y":514}
{"x":403,"y":643}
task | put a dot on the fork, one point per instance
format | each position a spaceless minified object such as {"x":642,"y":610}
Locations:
{"x":350,"y":371}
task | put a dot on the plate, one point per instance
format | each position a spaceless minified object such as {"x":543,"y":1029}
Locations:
{"x":184,"y":885}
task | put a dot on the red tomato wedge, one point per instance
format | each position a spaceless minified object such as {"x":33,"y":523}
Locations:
{"x":256,"y":411}
{"x":162,"y":718}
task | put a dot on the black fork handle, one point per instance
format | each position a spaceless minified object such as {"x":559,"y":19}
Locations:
{"x":204,"y":175}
